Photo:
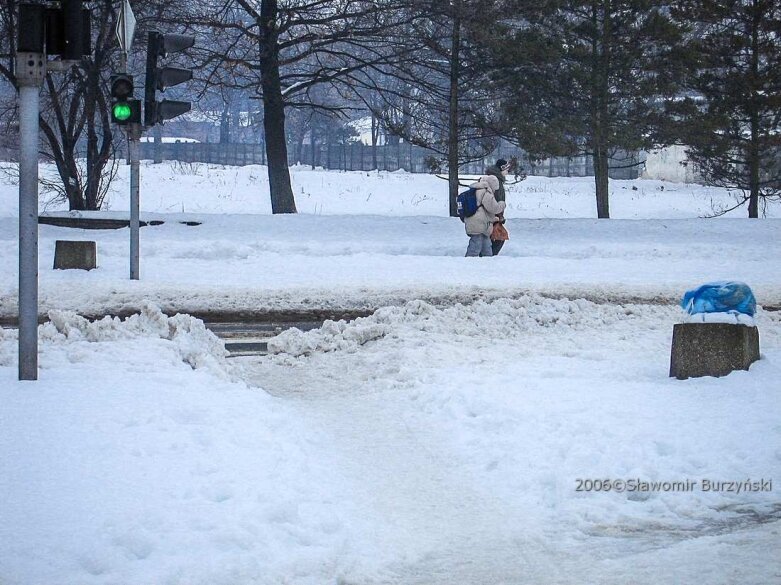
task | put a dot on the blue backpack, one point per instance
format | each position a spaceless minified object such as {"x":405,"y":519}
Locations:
{"x":466,"y":203}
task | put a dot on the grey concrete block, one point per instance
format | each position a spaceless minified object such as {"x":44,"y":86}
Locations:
{"x":75,"y":254}
{"x":712,"y":349}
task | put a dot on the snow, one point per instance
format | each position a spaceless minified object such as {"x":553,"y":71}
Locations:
{"x":365,"y":240}
{"x":178,"y":187}
{"x":485,"y":416}
{"x":417,"y":445}
{"x":439,"y":440}
{"x":257,"y":263}
{"x":138,"y":457}
{"x":730,"y":317}
{"x":171,"y":139}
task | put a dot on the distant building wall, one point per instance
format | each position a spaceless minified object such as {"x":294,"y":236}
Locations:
{"x":670,"y":164}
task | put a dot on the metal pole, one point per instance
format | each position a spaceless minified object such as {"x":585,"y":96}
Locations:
{"x":133,"y":140}
{"x":158,"y":150}
{"x":30,"y":72}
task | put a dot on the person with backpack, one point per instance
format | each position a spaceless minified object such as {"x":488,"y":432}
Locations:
{"x":499,"y":234}
{"x":479,"y":224}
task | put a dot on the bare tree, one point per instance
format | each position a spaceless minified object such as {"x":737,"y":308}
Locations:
{"x":75,"y":120}
{"x":281,"y":49}
{"x":436,"y":93}
{"x":74,"y":113}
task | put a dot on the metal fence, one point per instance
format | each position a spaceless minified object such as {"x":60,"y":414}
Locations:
{"x":407,"y":157}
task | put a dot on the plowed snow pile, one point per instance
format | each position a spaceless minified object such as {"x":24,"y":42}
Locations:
{"x":495,"y":320}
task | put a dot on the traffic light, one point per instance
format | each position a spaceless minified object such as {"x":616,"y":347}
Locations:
{"x":63,"y":31}
{"x":124,"y":109}
{"x":161,"y":78}
{"x":68,"y":30}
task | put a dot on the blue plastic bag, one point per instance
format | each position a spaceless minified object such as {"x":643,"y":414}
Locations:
{"x":720,"y":297}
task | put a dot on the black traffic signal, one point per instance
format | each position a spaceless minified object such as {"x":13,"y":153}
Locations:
{"x":124,"y":109}
{"x":68,"y":30}
{"x":161,"y":78}
{"x":63,"y":31}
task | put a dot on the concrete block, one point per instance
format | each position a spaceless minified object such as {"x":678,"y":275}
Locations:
{"x":75,"y":254}
{"x":712,"y":349}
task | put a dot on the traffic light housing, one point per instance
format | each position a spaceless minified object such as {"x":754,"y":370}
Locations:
{"x":160,"y":78}
{"x":63,"y":31}
{"x":124,"y":109}
{"x":122,"y":86}
{"x":70,"y":26}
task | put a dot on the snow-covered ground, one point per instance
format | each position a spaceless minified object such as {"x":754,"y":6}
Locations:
{"x":369,"y":239}
{"x":175,"y":187}
{"x":420,"y":445}
{"x":137,"y":458}
{"x":484,"y":418}
{"x":434,"y":442}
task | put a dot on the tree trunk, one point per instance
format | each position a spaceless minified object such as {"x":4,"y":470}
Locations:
{"x":298,"y":145}
{"x":374,"y":141}
{"x":753,"y":165}
{"x":601,"y":180}
{"x":313,"y":142}
{"x":601,"y":113}
{"x":70,"y":177}
{"x":97,"y":156}
{"x":282,"y":200}
{"x":328,"y":140}
{"x":225,"y":125}
{"x":753,"y":147}
{"x":452,"y":139}
{"x":93,"y":164}
{"x":158,"y":150}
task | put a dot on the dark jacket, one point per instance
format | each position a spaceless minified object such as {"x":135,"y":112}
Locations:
{"x":497,"y":172}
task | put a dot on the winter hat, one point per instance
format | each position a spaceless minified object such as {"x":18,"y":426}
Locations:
{"x":502,"y":164}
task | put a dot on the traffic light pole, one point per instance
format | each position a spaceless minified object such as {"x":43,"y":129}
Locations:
{"x":134,"y":147}
{"x":134,"y":159}
{"x":30,"y":71}
{"x":126,"y":110}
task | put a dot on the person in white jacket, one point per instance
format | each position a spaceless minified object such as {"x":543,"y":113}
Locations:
{"x":480,"y":225}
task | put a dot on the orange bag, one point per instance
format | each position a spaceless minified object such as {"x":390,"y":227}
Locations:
{"x":499,"y":233}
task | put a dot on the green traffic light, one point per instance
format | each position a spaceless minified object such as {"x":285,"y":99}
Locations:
{"x":122,"y":112}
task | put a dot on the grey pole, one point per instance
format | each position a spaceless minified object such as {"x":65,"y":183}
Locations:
{"x":158,"y":130}
{"x":133,"y":159}
{"x":133,"y":141}
{"x":30,"y":68}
